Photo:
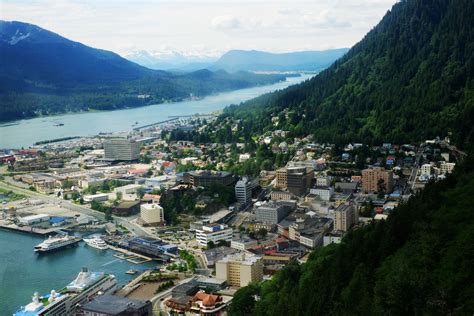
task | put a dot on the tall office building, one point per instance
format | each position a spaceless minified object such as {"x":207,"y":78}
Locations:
{"x":297,"y":180}
{"x":345,"y":216}
{"x":373,"y":178}
{"x":240,"y":269}
{"x":121,"y":149}
{"x":151,"y":214}
{"x":243,"y":191}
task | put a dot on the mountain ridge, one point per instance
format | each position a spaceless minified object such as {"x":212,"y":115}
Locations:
{"x":43,"y":73}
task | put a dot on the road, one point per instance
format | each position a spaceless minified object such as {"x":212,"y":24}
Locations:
{"x":135,"y":229}
{"x":158,"y":299}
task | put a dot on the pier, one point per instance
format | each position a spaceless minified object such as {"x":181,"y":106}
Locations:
{"x":153,"y":124}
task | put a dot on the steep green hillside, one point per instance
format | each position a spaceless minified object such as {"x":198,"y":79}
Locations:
{"x":410,"y":78}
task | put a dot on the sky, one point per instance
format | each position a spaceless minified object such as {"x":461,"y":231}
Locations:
{"x":203,"y":27}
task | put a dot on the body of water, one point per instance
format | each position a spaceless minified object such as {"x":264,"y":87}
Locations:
{"x":25,"y":133}
{"x":23,"y":272}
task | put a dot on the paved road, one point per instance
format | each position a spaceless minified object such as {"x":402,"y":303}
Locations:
{"x":135,"y":229}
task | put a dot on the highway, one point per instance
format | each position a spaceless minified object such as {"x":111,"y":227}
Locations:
{"x":125,"y":222}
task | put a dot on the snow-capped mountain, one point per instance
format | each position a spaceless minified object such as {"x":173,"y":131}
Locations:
{"x":169,"y":59}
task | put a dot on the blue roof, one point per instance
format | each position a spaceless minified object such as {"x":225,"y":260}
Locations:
{"x":56,"y":219}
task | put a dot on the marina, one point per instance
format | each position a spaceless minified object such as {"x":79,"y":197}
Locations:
{"x":24,"y":270}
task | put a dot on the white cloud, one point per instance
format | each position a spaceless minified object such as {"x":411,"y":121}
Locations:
{"x":203,"y":26}
{"x":226,"y":22}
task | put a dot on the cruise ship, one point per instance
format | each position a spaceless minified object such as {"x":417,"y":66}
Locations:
{"x":96,"y":242}
{"x":55,"y":243}
{"x":83,"y":289}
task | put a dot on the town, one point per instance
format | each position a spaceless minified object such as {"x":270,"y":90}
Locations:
{"x":213,"y":216}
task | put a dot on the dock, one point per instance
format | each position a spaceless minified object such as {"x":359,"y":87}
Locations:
{"x":30,"y":230}
{"x":130,"y":256}
{"x":153,"y":124}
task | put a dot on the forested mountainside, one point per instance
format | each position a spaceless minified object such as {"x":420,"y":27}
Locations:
{"x":409,"y":78}
{"x":418,"y":262}
{"x":44,"y":73}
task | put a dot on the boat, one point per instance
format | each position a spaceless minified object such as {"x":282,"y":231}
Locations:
{"x":59,"y":124}
{"x":81,"y":290}
{"x":131,"y":271}
{"x":96,"y":242}
{"x":56,"y":243}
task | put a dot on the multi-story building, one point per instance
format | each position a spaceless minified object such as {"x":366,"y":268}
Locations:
{"x":213,"y":233}
{"x":121,"y":149}
{"x":207,"y":178}
{"x":274,"y":212}
{"x":324,"y":193}
{"x":281,"y":178}
{"x":323,"y":181}
{"x":446,"y":167}
{"x":426,"y":169}
{"x":240,"y":269}
{"x":345,"y":216}
{"x":151,"y":214}
{"x":297,"y":180}
{"x":243,"y":244}
{"x":309,"y":231}
{"x":281,"y":196}
{"x":374,"y":178}
{"x":243,"y":191}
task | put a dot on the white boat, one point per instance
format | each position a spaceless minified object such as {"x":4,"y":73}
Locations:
{"x":96,"y":242}
{"x":56,"y":243}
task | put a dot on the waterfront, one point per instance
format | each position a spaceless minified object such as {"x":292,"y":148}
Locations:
{"x":22,"y":272}
{"x":25,"y":133}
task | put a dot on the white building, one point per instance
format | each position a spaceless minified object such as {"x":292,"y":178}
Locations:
{"x":446,"y":167}
{"x":214,"y":233}
{"x":243,"y":191}
{"x":324,"y":193}
{"x":331,"y":239}
{"x":151,"y":214}
{"x":244,"y":157}
{"x":128,"y":189}
{"x":243,"y":244}
{"x":99,"y":197}
{"x":323,"y":181}
{"x":34,"y":219}
{"x":426,"y":169}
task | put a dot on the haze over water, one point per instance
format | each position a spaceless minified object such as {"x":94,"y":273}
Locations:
{"x":25,"y":133}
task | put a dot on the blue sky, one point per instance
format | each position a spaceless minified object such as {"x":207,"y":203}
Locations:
{"x":203,"y":27}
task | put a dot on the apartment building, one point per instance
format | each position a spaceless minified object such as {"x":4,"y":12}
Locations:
{"x":240,"y":269}
{"x":373,"y":178}
{"x":151,"y":214}
{"x":121,"y":149}
{"x":345,"y":216}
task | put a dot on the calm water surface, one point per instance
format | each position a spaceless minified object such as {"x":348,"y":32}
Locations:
{"x":26,"y":132}
{"x":22,"y":272}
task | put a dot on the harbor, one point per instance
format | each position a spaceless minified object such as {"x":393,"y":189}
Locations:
{"x":21,"y":268}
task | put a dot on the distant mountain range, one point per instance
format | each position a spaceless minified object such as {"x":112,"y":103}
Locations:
{"x":43,"y":73}
{"x":241,"y":60}
{"x":171,"y":60}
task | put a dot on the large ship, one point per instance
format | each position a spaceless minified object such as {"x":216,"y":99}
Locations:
{"x":96,"y":242}
{"x":55,"y":243}
{"x":83,"y":289}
